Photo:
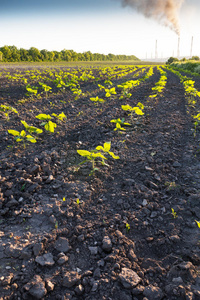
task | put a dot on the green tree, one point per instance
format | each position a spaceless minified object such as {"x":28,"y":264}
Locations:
{"x":171,"y":60}
{"x":35,"y":54}
{"x":15,"y":54}
{"x":7,"y":54}
{"x":24,"y":54}
{"x":44,"y":53}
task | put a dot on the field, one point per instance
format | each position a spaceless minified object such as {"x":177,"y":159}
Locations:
{"x":117,"y":220}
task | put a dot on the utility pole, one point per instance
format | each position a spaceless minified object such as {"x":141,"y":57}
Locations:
{"x":191,"y":47}
{"x":156,"y":50}
{"x":178,"y":50}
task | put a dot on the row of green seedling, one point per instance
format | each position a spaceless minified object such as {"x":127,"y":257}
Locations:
{"x":191,"y":93}
{"x":30,"y":134}
{"x":160,"y":85}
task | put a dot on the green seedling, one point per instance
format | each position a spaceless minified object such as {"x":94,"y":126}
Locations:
{"x":198,"y":223}
{"x":60,"y":117}
{"x":119,"y":127}
{"x":171,"y":185}
{"x":127,"y":227}
{"x":101,"y":87}
{"x":46,"y":88}
{"x":196,"y":123}
{"x":31,"y":129}
{"x":61,"y":84}
{"x":97,"y":99}
{"x":24,"y":80}
{"x":125,"y":94}
{"x":31,"y":91}
{"x":93,"y":155}
{"x":56,"y":225}
{"x":80,"y":113}
{"x":48,"y":124}
{"x":174,"y":214}
{"x":141,"y":106}
{"x":134,"y":110}
{"x":118,"y":123}
{"x":6,"y":110}
{"x":110,"y":92}
{"x":22,"y":137}
{"x":106,"y":149}
{"x":78,"y":92}
{"x":190,"y":89}
{"x":23,"y":187}
{"x":108,"y":83}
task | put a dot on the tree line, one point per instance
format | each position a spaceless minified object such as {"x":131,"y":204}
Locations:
{"x":13,"y":54}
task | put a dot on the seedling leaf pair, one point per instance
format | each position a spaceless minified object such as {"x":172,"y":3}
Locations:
{"x":97,"y":99}
{"x":22,"y":136}
{"x":31,"y":129}
{"x":95,"y":154}
{"x":136,"y":109}
{"x":7,"y":110}
{"x":48,"y":124}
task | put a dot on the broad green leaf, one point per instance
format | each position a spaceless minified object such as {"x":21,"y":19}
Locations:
{"x":84,"y":153}
{"x":25,"y":124}
{"x":108,"y":94}
{"x":118,"y":127}
{"x":99,"y":148}
{"x":107,"y":146}
{"x":126,"y":107}
{"x":14,"y":132}
{"x":94,"y":99}
{"x":113,"y":155}
{"x":50,"y":126}
{"x":23,"y":133}
{"x":60,"y":116}
{"x":197,"y":117}
{"x":43,"y":117}
{"x":138,"y":111}
{"x":112,"y":91}
{"x":30,"y":138}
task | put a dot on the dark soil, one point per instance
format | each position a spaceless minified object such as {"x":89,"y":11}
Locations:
{"x":120,"y":240}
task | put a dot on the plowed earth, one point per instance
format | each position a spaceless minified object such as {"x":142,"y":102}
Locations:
{"x":121,"y":240}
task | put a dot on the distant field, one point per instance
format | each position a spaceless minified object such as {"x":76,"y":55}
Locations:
{"x":73,"y":64}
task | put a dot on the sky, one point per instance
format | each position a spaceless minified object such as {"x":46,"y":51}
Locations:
{"x":99,"y":26}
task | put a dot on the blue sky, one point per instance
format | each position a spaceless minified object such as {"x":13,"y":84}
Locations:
{"x":37,"y":7}
{"x":102,"y":26}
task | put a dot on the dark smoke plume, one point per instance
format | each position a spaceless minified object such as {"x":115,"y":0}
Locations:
{"x":164,"y":11}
